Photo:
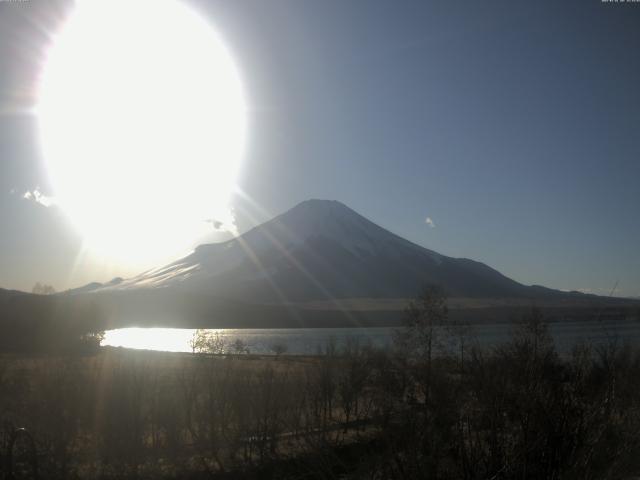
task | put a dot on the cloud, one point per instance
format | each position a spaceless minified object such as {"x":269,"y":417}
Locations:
{"x":224,"y":224}
{"x":36,"y":196}
{"x":217,"y":224}
{"x":430,"y":222}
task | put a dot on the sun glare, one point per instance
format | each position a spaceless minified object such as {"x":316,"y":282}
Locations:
{"x":142,"y":122}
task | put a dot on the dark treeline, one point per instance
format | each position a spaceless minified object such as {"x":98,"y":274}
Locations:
{"x":516,"y":411}
{"x":49,"y":323}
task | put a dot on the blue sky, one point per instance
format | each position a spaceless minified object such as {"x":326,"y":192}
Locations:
{"x":512,"y":125}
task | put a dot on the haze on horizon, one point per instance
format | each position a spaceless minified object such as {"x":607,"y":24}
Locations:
{"x":502,"y":132}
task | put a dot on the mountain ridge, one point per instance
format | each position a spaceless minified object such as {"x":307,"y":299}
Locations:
{"x":319,"y":264}
{"x":322,"y":249}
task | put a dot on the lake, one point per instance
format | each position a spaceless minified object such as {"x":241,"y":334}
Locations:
{"x":305,"y":341}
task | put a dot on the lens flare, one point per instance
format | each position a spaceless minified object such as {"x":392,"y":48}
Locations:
{"x":142,"y":122}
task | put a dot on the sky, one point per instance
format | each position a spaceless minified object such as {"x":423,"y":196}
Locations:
{"x":502,"y":131}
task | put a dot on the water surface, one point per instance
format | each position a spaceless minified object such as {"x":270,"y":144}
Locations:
{"x":301,"y":341}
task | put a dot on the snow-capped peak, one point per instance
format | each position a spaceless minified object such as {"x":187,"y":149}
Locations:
{"x":303,"y":224}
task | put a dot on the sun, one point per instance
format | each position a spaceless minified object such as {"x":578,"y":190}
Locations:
{"x":142,"y":120}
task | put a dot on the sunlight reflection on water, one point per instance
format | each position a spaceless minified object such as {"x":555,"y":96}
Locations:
{"x":165,"y":339}
{"x":308,"y":341}
{"x":260,"y":341}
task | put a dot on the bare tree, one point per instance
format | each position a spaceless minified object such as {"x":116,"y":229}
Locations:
{"x":460,"y":333}
{"x":204,"y":341}
{"x":418,"y":338}
{"x":278,"y":349}
{"x":43,"y":289}
{"x":239,"y":347}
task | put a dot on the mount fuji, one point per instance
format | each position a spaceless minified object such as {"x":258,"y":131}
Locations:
{"x":322,"y":250}
{"x":320,"y":264}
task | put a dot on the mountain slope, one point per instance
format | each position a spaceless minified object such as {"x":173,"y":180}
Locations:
{"x":323,"y":250}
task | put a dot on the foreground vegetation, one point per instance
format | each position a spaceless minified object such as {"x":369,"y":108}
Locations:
{"x":516,"y":411}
